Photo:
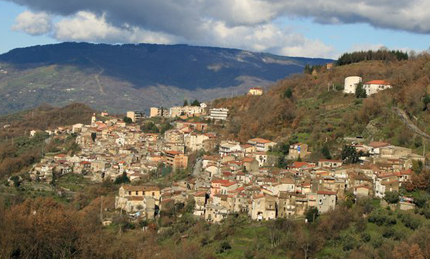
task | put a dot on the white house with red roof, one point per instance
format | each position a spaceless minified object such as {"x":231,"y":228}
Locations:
{"x":261,"y":145}
{"x":374,"y":86}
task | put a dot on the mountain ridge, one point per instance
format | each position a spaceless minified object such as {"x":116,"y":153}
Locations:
{"x":134,"y":76}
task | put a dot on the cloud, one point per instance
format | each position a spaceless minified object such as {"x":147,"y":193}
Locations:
{"x":33,"y":23}
{"x":248,"y":24}
{"x":86,"y":26}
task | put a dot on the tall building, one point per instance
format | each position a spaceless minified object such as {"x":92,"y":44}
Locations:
{"x":135,"y":115}
{"x":218,"y":113}
{"x":158,"y":112}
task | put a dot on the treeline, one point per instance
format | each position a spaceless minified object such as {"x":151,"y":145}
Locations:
{"x":382,"y":54}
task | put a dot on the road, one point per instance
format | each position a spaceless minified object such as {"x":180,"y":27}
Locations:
{"x":405,"y":119}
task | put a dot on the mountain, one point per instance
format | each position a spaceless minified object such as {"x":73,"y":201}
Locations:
{"x":124,"y":77}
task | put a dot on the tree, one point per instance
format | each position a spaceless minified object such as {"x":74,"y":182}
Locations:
{"x":426,"y":101}
{"x":311,"y":214}
{"x":195,"y":103}
{"x":185,"y":103}
{"x":122,"y":179}
{"x":392,"y":197}
{"x":360,"y":92}
{"x":288,"y":93}
{"x":326,"y":152}
{"x":349,"y":155}
{"x":127,"y":120}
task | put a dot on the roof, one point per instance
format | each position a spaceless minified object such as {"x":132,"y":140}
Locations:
{"x":377,"y":82}
{"x":378,"y":144}
{"x":260,"y":140}
{"x":140,"y":188}
{"x":326,"y":193}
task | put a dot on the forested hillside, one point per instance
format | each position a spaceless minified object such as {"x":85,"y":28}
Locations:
{"x":313,"y":108}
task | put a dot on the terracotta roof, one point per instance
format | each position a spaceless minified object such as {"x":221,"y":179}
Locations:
{"x":260,"y":140}
{"x":377,"y":82}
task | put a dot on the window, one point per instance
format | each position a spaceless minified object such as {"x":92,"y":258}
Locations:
{"x":153,"y":193}
{"x":129,"y":193}
{"x":137,"y":192}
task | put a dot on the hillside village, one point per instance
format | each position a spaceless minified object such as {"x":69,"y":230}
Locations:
{"x":224,"y":177}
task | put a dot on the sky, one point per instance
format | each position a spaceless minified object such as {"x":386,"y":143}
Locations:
{"x":311,"y":28}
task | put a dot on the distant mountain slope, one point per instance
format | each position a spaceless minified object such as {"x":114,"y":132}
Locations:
{"x":121,"y":77}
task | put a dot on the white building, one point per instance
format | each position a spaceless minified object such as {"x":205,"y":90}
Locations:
{"x":351,"y":83}
{"x":374,"y":86}
{"x":218,"y":114}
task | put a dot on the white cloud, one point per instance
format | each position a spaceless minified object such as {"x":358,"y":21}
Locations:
{"x":245,"y":24}
{"x":33,"y":23}
{"x":86,"y":26}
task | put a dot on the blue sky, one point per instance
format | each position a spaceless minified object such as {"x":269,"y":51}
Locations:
{"x":247,"y":24}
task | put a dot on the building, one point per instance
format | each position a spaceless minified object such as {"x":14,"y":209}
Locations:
{"x":374,"y":86}
{"x":135,"y":115}
{"x":326,"y":201}
{"x":261,"y":145}
{"x":351,"y":84}
{"x":255,"y":91}
{"x":138,"y":198}
{"x":218,"y":114}
{"x":158,"y":112}
{"x":176,"y":160}
{"x":188,"y":111}
{"x":297,"y":150}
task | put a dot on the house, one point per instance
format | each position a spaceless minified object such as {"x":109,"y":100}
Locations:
{"x":326,"y":201}
{"x":176,"y":160}
{"x":200,"y":199}
{"x":328,"y":163}
{"x":215,"y":213}
{"x":297,"y":150}
{"x":228,"y":147}
{"x":263,"y":207}
{"x":362,"y":191}
{"x":291,"y":204}
{"x":138,"y":198}
{"x":386,"y":182}
{"x":374,"y":86}
{"x":261,"y":145}
{"x":255,"y":91}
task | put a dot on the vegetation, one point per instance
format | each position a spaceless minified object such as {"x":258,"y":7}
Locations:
{"x":381,"y":54}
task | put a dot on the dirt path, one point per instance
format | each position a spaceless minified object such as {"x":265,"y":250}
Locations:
{"x":405,"y":119}
{"x":97,"y":76}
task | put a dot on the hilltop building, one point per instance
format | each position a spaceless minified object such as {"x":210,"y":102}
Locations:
{"x":255,"y":91}
{"x":374,"y":86}
{"x":351,"y":84}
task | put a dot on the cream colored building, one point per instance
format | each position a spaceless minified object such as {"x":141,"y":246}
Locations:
{"x":255,"y":91}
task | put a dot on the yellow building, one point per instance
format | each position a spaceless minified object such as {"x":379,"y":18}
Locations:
{"x":255,"y":91}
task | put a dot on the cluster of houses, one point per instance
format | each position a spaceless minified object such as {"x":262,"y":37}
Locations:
{"x":111,"y":148}
{"x":241,"y":179}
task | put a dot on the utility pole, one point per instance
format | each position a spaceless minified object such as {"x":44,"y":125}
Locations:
{"x":101,"y":210}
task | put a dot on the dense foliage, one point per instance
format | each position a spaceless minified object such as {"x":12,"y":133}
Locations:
{"x":381,"y":54}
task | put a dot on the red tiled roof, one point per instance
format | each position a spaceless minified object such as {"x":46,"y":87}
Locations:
{"x":377,"y":82}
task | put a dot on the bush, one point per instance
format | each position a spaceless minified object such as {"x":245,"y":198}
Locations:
{"x":224,"y":246}
{"x":365,"y":237}
{"x":392,"y":197}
